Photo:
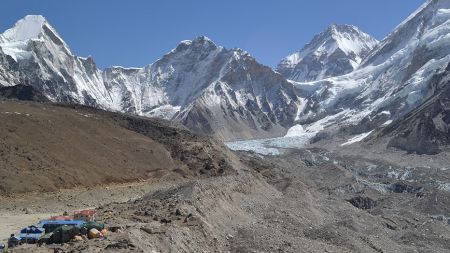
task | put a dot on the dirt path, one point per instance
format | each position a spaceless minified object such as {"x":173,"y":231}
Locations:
{"x":12,"y":223}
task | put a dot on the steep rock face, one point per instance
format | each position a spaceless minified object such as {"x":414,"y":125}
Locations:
{"x":247,"y":94}
{"x":8,"y":70}
{"x":209,"y":89}
{"x":337,"y":51}
{"x":392,"y":80}
{"x":22,"y":92}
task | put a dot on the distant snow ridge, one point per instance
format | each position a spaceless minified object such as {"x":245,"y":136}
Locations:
{"x":338,"y":50}
{"x":209,"y":89}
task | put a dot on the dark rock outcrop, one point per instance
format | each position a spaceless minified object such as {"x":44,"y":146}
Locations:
{"x":22,"y":92}
{"x":364,"y":203}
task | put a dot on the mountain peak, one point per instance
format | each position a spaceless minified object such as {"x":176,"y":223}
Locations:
{"x":341,"y":27}
{"x":15,"y":41}
{"x":348,"y":38}
{"x":337,"y":29}
{"x":33,"y":18}
{"x":336,"y":51}
{"x":199,"y":42}
{"x":203,"y":40}
{"x":29,"y":27}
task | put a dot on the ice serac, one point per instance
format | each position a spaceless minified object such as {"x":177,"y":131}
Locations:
{"x":392,"y":80}
{"x":426,"y":129}
{"x":337,"y":51}
{"x":210,"y":89}
{"x":39,"y":57}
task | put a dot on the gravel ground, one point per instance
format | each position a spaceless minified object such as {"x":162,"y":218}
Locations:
{"x":307,"y":201}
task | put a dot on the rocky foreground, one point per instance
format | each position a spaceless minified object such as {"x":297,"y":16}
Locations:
{"x":309,"y":200}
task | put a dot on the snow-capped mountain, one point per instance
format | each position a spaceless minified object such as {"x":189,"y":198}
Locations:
{"x":208,"y":88}
{"x":337,"y":51}
{"x":39,"y":57}
{"x":391,"y":81}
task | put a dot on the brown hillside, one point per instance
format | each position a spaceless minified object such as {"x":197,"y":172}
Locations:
{"x":47,"y":147}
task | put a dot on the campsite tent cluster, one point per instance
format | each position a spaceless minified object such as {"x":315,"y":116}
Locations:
{"x":60,"y":229}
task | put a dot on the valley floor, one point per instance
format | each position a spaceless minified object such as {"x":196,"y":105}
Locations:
{"x":308,"y":200}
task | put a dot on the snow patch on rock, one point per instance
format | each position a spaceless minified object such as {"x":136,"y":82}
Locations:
{"x":357,"y":138}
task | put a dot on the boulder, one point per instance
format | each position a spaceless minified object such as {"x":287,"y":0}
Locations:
{"x":78,"y":238}
{"x":93,"y":233}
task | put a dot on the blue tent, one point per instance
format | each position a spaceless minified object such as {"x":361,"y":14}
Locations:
{"x":30,"y":237}
{"x":50,"y":225}
{"x":42,"y":223}
{"x":31,"y":233}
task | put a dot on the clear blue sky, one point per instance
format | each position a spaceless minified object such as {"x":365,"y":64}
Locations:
{"x":135,"y":33}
